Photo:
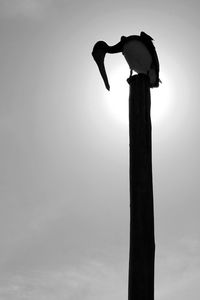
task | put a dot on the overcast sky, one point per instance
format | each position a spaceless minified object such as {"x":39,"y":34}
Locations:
{"x":64,"y":194}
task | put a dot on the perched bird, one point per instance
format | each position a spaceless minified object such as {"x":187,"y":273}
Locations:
{"x":139,"y":53}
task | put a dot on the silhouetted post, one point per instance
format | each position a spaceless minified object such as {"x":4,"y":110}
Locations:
{"x":142,"y":242}
{"x":141,"y":56}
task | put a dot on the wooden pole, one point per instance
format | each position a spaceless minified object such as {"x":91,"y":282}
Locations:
{"x":142,"y":241}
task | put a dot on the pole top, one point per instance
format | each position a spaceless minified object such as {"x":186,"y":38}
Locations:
{"x":138,"y":77}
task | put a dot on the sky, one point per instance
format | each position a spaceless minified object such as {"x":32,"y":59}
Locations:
{"x":64,"y":188}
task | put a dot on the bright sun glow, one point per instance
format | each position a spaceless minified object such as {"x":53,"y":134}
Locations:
{"x":117,"y":98}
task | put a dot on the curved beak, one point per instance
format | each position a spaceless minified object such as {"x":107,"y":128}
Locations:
{"x":99,"y":55}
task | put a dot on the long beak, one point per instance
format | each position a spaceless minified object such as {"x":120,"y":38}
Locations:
{"x":99,"y":59}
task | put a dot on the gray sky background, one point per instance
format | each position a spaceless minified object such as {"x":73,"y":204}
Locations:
{"x":64,"y":209}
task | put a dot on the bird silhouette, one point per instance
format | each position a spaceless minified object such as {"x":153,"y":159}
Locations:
{"x":139,"y":53}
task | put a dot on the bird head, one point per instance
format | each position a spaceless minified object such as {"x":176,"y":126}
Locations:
{"x":99,"y":51}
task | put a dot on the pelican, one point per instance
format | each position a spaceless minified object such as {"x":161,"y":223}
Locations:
{"x":139,"y":53}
